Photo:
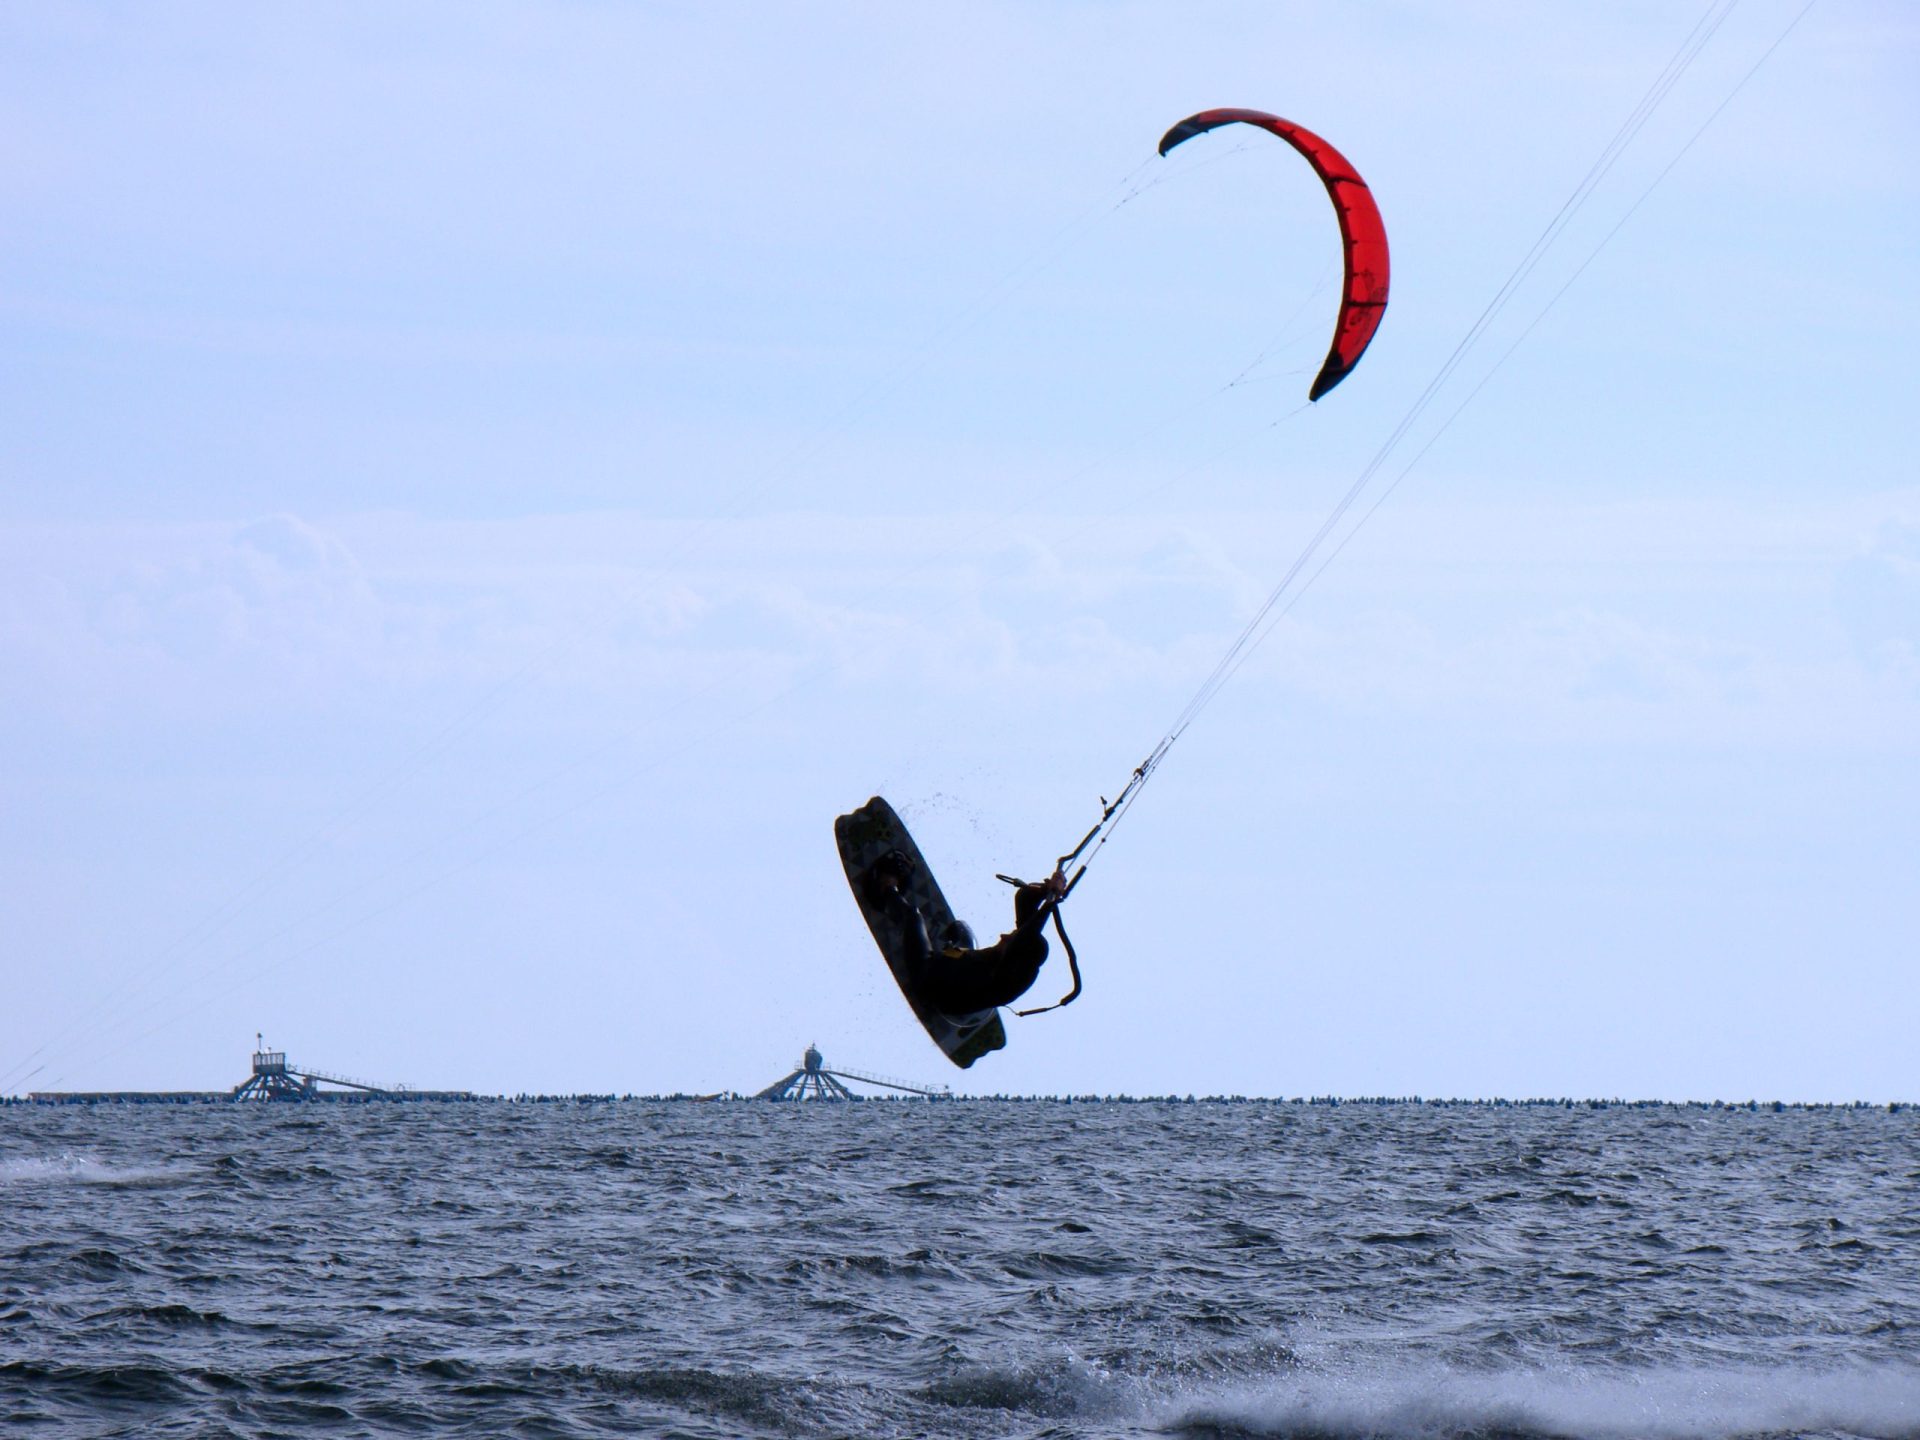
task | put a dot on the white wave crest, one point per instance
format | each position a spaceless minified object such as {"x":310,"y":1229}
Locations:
{"x":69,"y":1168}
{"x":1874,"y":1402}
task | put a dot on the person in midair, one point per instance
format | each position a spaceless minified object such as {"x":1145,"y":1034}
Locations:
{"x":949,"y":972}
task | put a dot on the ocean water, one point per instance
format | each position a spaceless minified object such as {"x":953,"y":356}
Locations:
{"x":1037,"y":1269}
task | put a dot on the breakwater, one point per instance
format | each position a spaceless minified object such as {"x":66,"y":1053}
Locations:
{"x":467,"y":1097}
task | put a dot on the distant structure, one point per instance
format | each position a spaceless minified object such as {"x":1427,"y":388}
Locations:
{"x":272,"y":1079}
{"x":814,"y":1081}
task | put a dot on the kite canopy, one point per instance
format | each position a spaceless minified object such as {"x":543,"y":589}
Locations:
{"x":1362,"y":233}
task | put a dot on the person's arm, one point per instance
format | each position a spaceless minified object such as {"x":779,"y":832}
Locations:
{"x":1033,"y":903}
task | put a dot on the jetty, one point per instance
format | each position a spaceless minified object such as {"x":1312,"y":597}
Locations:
{"x":814,"y":1081}
{"x":273,"y":1080}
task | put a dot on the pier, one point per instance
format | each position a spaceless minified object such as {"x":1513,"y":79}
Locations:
{"x":814,"y":1081}
{"x":273,"y":1080}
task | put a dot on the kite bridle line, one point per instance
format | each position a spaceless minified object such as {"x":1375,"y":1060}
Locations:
{"x":1111,"y":812}
{"x":1273,"y":610}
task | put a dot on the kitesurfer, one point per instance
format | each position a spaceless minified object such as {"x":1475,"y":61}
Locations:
{"x":955,"y":977}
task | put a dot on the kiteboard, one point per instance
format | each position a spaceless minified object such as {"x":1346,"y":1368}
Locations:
{"x":866,"y":836}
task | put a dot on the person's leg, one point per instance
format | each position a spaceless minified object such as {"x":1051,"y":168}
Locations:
{"x":951,"y":983}
{"x":886,"y":877}
{"x":963,"y":982}
{"x":913,"y":932}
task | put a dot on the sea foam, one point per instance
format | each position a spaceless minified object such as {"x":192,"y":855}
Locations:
{"x":1876,"y":1402}
{"x":69,"y":1168}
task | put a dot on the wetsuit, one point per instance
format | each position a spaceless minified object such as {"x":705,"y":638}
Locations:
{"x":959,"y":981}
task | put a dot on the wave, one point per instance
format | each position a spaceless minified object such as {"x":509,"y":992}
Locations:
{"x":1072,"y":1388}
{"x":1873,"y":1402}
{"x":71,"y":1169}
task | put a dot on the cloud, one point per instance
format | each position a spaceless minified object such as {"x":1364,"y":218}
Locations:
{"x":1877,"y":593}
{"x":1635,"y":624}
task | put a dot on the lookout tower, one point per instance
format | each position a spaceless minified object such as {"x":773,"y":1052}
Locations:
{"x":814,"y":1081}
{"x":271,"y":1080}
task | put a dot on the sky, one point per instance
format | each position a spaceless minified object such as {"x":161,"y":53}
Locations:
{"x":482,"y":486}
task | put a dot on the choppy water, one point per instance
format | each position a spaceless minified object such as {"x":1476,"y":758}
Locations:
{"x":981,"y":1269}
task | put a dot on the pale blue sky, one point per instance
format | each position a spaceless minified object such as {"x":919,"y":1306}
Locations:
{"x":482,"y":486}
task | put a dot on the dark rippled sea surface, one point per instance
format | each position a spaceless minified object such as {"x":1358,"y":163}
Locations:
{"x":966,"y":1269}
